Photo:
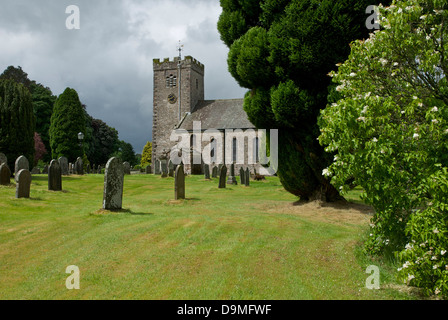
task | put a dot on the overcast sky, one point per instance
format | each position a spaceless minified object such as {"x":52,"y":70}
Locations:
{"x":108,"y":61}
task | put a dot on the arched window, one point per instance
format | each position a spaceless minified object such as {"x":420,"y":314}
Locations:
{"x":171,"y":81}
{"x":193,"y":141}
{"x":213,"y":150}
{"x":256,"y":150}
{"x":234,"y":150}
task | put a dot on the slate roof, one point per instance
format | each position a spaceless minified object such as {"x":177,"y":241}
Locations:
{"x":218,"y":114}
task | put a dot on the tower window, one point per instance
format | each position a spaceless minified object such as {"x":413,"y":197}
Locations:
{"x":197,"y":84}
{"x":171,"y":81}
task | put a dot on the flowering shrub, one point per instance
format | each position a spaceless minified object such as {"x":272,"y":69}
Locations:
{"x":389,"y":132}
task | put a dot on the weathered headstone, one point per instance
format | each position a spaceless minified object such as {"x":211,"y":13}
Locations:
{"x":99,"y":169}
{"x":171,"y":169}
{"x":45,"y":169}
{"x":63,"y":163}
{"x":222,"y":177}
{"x":54,"y":176}
{"x":5,"y":174}
{"x":127,"y":167}
{"x":242,"y":176}
{"x":206,"y":172}
{"x":70,"y":168}
{"x":148,"y":169}
{"x":157,"y":167}
{"x":179,"y":183}
{"x":23,"y":184}
{"x":113,"y":185}
{"x":215,"y":172}
{"x":21,"y":163}
{"x":164,"y":167}
{"x":79,"y":167}
{"x":247,"y":178}
{"x":3,"y":158}
{"x":232,"y":179}
{"x":88,"y":169}
{"x":35,"y":170}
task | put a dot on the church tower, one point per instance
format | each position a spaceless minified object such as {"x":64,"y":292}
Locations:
{"x":178,"y":87}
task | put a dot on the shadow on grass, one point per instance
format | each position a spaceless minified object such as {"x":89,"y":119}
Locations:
{"x":341,"y":205}
{"x":103,"y":212}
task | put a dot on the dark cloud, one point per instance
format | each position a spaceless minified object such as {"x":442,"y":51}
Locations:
{"x":109,"y":60}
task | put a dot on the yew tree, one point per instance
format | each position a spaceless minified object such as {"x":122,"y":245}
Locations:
{"x":282,"y":51}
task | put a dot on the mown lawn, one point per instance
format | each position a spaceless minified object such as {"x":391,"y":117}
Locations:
{"x":252,"y":242}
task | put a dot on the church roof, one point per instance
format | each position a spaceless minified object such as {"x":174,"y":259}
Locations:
{"x":218,"y":114}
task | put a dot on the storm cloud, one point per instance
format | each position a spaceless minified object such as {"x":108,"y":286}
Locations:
{"x":109,"y":59}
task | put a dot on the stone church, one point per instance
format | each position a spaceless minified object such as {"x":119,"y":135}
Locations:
{"x":212,"y":131}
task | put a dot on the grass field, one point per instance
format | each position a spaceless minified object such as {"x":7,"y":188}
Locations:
{"x":246,"y":243}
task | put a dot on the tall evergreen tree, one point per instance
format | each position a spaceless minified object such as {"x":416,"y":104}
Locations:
{"x":146,"y":155}
{"x":67,"y":120}
{"x":282,"y":50}
{"x":17,"y":122}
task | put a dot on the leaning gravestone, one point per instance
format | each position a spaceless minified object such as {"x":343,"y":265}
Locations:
{"x":242,"y":176}
{"x":23,"y":184}
{"x":3,"y":158}
{"x":148,"y":169}
{"x":113,"y":185}
{"x":21,"y":163}
{"x":222,"y":177}
{"x":63,"y":163}
{"x":232,"y":179}
{"x":54,"y":176}
{"x":164,"y":168}
{"x":247,"y":178}
{"x":206,"y":172}
{"x":179,"y":183}
{"x":127,"y":167}
{"x":5,"y":175}
{"x":79,"y":166}
{"x":157,"y":167}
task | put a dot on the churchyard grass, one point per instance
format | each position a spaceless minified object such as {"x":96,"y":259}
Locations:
{"x":240,"y":242}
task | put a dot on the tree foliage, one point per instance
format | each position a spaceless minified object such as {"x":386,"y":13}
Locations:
{"x":146,"y":155}
{"x":17,"y":122}
{"x":282,"y":51}
{"x":389,"y":133}
{"x":105,"y":141}
{"x":67,"y":120}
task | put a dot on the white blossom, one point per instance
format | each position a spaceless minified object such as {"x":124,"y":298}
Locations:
{"x":435,"y":109}
{"x":416,"y":136}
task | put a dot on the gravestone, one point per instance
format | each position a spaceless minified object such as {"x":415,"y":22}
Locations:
{"x":215,"y":172}
{"x":63,"y":163}
{"x":94,"y":171}
{"x":54,"y":176}
{"x":157,"y":167}
{"x":3,"y":158}
{"x":242,"y":176}
{"x":206,"y":172}
{"x":247,"y":178}
{"x":23,"y":184}
{"x":5,"y":175}
{"x":148,"y":169}
{"x":99,"y":169}
{"x":35,"y":170}
{"x":164,"y":168}
{"x":113,"y":185}
{"x":127,"y":167}
{"x":232,"y":179}
{"x":21,"y":163}
{"x":171,"y":169}
{"x":179,"y":183}
{"x":45,"y":169}
{"x":70,"y":168}
{"x":222,"y":177}
{"x":79,"y":167}
{"x":88,"y":169}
